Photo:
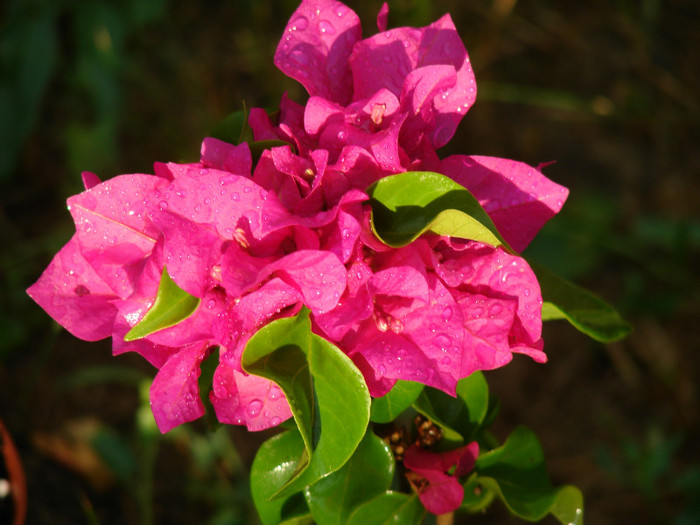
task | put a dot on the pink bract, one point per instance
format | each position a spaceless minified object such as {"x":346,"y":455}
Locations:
{"x":256,"y":239}
{"x":439,"y":491}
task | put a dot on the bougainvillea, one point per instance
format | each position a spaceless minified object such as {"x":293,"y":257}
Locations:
{"x":209,"y":253}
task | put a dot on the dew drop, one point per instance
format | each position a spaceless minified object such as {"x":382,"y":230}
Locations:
{"x":477,"y":312}
{"x":446,"y":360}
{"x":299,"y":57}
{"x":254,"y":407}
{"x":446,"y":313}
{"x":275,"y":421}
{"x":326,"y":27}
{"x":299,"y":23}
{"x":442,"y":341}
{"x":495,"y":309}
{"x":163,"y":205}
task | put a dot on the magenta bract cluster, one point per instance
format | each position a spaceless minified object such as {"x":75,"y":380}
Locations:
{"x":259,"y":241}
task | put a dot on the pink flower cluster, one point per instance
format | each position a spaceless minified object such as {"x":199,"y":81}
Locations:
{"x":258,"y":241}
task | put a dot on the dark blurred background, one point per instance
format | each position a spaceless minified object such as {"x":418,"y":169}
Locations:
{"x":607,"y":89}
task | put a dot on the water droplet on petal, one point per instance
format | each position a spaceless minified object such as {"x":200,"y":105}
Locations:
{"x":495,"y":309}
{"x":477,"y":312}
{"x":446,"y":360}
{"x":326,"y":27}
{"x":299,"y":23}
{"x":299,"y":57}
{"x":254,"y":407}
{"x":275,"y":421}
{"x":163,"y":205}
{"x":446,"y":313}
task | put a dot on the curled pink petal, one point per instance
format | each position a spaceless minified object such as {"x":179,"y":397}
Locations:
{"x":90,"y":179}
{"x":224,"y":156}
{"x":175,"y":392}
{"x":383,"y":17}
{"x":519,"y":198}
{"x":442,"y":493}
{"x":316,"y":45}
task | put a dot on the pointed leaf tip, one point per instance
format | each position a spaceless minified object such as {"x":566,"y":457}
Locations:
{"x":587,"y":312}
{"x":172,"y":305}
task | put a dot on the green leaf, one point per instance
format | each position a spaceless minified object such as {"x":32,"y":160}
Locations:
{"x":234,"y":128}
{"x":584,"y":310}
{"x":172,"y":305}
{"x":367,"y":474}
{"x":274,"y":463}
{"x":389,"y":508}
{"x":386,"y":408}
{"x":406,"y":205}
{"x":205,"y":382}
{"x":476,"y":497}
{"x":326,"y":392}
{"x":517,"y":473}
{"x":460,"y":417}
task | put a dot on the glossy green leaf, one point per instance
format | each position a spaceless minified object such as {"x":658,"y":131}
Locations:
{"x":172,"y":305}
{"x":367,"y":474}
{"x":584,"y":310}
{"x":476,"y":497}
{"x":460,"y":417}
{"x":516,"y":472}
{"x":406,"y":205}
{"x":326,"y":392}
{"x":386,"y":408}
{"x":389,"y":508}
{"x":275,"y":461}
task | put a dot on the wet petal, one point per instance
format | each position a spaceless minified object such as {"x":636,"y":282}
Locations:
{"x":175,"y":392}
{"x":114,"y":229}
{"x":519,"y":198}
{"x":224,"y":156}
{"x":75,"y":295}
{"x":316,"y":45}
{"x":242,"y":399}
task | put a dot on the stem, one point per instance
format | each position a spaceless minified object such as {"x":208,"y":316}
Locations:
{"x":445,"y":519}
